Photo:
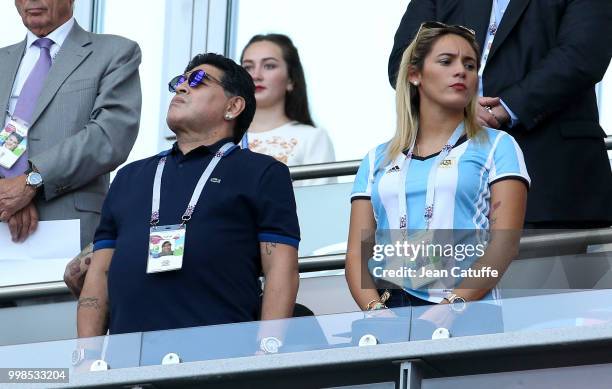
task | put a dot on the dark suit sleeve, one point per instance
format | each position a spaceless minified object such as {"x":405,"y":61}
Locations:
{"x":576,"y":62}
{"x":418,"y":11}
{"x":107,"y":138}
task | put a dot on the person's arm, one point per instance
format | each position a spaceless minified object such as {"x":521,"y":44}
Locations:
{"x":506,"y":218}
{"x":107,"y":139}
{"x":92,"y":308}
{"x":278,"y":233}
{"x":279,"y":238}
{"x":508,"y":181}
{"x":357,"y":275}
{"x":418,"y":11}
{"x":74,"y":275}
{"x":280,"y":267}
{"x":576,"y":62}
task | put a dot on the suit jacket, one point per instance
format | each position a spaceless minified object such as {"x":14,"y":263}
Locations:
{"x":85,"y":122}
{"x":545,"y":60}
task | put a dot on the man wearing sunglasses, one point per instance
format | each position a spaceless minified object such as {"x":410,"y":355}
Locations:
{"x":540,"y":61}
{"x":229,"y":214}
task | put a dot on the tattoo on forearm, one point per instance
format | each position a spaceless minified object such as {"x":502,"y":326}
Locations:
{"x":492,"y":217}
{"x":75,"y":267}
{"x":270,"y":247}
{"x":87,"y":251}
{"x":89,"y":302}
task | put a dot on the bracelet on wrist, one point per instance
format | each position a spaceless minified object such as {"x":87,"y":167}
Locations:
{"x":378,"y":306}
{"x":368,"y":306}
{"x":375,"y":305}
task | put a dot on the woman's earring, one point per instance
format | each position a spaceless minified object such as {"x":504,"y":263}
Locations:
{"x":228,"y":116}
{"x":415,"y":83}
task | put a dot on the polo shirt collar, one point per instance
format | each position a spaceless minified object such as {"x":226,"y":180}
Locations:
{"x":201,"y":150}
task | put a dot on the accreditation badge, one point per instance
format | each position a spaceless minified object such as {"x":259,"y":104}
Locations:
{"x":13,"y":142}
{"x":166,"y":248}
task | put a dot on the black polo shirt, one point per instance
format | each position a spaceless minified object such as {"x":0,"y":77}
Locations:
{"x":248,"y":199}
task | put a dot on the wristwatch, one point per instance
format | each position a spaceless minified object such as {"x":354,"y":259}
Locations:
{"x":270,"y":345}
{"x":33,"y":178}
{"x":81,"y":354}
{"x":456,"y":302}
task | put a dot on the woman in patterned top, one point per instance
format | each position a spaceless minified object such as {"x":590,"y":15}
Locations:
{"x":283,"y":127}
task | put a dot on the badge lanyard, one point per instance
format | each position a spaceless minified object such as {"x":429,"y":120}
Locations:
{"x":244,"y":143}
{"x":431,"y":180}
{"x":491,"y":31}
{"x":197,"y":191}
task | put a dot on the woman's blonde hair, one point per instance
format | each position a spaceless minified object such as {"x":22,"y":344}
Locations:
{"x":407,"y":95}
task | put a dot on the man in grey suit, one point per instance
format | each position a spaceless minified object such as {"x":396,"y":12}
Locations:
{"x":82,"y":126}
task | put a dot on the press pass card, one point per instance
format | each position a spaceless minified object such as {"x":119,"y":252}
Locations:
{"x":13,"y":142}
{"x":166,"y":247}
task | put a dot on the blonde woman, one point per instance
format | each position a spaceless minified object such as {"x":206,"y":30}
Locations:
{"x":441,"y":170}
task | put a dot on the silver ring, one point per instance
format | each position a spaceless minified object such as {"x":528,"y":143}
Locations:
{"x":489,"y":110}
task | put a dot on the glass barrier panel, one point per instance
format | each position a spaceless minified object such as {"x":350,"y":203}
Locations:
{"x":55,"y":354}
{"x":323,"y":212}
{"x":200,"y":343}
{"x":295,"y":335}
{"x":444,"y":320}
{"x":560,"y":310}
{"x":118,"y":351}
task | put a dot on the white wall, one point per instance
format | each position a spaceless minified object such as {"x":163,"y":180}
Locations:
{"x":344,"y":46}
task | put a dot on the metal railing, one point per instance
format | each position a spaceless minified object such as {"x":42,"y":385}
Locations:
{"x":470,"y":358}
{"x":336,"y":261}
{"x":347,"y":168}
{"x":557,"y":240}
{"x":324,"y":170}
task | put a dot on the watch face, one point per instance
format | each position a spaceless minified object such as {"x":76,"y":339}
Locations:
{"x":76,"y":357}
{"x":458,"y":304}
{"x":271,"y":345}
{"x":34,"y":179}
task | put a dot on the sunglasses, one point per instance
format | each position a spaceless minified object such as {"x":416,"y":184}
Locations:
{"x":458,"y":28}
{"x":193,"y":79}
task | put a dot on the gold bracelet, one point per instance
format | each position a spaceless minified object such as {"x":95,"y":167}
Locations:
{"x":368,"y":307}
{"x":378,"y":306}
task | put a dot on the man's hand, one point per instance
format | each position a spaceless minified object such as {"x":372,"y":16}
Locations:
{"x":491,"y":113}
{"x":23,"y":223}
{"x":14,"y":196}
{"x":76,"y":270}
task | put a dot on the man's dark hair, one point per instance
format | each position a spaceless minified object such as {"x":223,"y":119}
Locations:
{"x":236,"y":82}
